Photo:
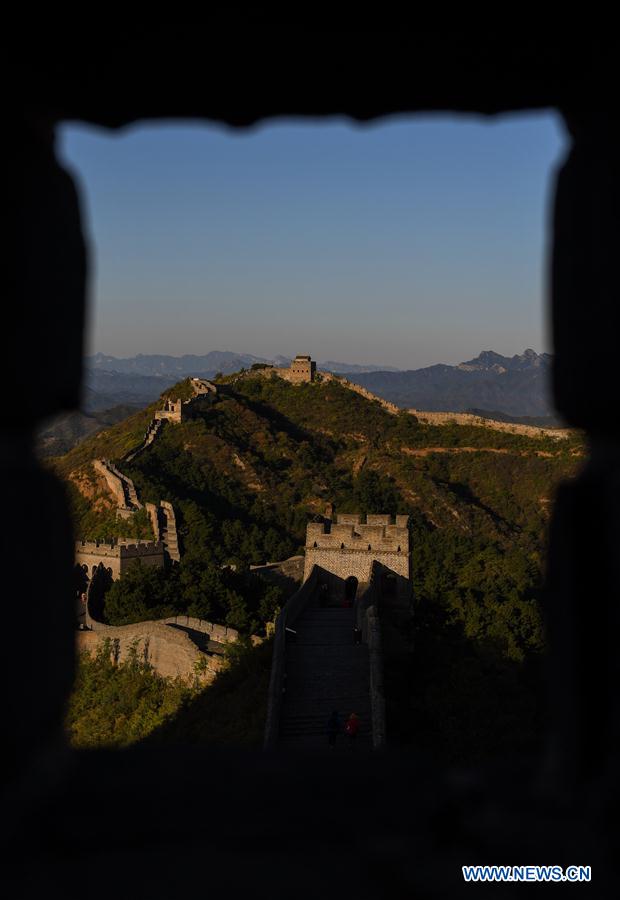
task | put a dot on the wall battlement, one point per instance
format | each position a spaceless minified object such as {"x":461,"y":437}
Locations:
{"x":121,"y":548}
{"x":118,"y":555}
{"x":171,"y":411}
{"x":176,"y":410}
{"x":349,"y":547}
{"x":302,"y":370}
{"x":349,"y":533}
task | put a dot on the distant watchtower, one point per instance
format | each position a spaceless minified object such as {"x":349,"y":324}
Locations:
{"x":302,"y":369}
{"x":118,"y":556}
{"x":348,"y":548}
{"x":172,"y":411}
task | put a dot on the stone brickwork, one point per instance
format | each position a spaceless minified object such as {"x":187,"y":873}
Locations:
{"x":164,"y":525}
{"x":179,"y":646}
{"x":170,"y":651}
{"x":172,"y":411}
{"x":121,"y":487}
{"x":446,"y":418}
{"x":154,"y":428}
{"x":302,"y":370}
{"x":222,"y":634}
{"x":300,"y":696}
{"x":118,"y":555}
{"x":348,"y":547}
{"x":362,"y":391}
{"x":162,"y":516}
{"x":176,"y":411}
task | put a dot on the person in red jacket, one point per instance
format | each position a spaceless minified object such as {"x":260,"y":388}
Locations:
{"x":352,"y":726}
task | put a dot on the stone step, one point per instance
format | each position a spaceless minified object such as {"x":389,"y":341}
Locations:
{"x":318,"y":660}
{"x":292,"y":729}
{"x":318,"y":722}
{"x":325,"y":680}
{"x":319,"y":744}
{"x":318,"y":731}
{"x":336,"y":614}
{"x":296,"y":704}
{"x":327,"y":640}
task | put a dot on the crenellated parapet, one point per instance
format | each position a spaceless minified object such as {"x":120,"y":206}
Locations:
{"x":117,"y":556}
{"x":301,"y":370}
{"x":171,"y":411}
{"x":348,"y":547}
{"x":177,"y":410}
{"x":377,"y":533}
{"x":120,"y":486}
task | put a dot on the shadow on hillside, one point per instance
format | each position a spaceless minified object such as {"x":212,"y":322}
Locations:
{"x":231,"y":711}
{"x":459,"y":701}
{"x":465,"y":493}
{"x":276,"y":419}
{"x":453,"y":700}
{"x":176,"y":487}
{"x":274,"y":576}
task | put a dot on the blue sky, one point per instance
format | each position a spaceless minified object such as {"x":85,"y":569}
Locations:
{"x":405,"y":243}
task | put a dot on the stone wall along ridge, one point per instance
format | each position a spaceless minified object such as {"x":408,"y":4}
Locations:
{"x":348,"y":548}
{"x":118,"y":555}
{"x":121,"y":487}
{"x":447,"y":418}
{"x":153,"y":430}
{"x":163,"y":643}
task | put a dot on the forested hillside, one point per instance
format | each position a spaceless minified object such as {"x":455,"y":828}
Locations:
{"x":247,"y":473}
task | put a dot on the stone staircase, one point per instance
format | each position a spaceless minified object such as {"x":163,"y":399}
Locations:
{"x":169,"y":530}
{"x":325,"y":671}
{"x":154,"y":428}
{"x":163,"y":521}
{"x":121,"y":487}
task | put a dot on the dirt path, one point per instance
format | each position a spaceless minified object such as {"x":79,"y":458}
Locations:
{"x":426,"y":451}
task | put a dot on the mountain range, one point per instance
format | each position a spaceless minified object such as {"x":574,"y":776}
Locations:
{"x":224,"y":361}
{"x":138,"y":380}
{"x":517,"y":386}
{"x":245,"y":475}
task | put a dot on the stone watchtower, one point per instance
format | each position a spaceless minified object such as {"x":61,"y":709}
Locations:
{"x":302,"y":369}
{"x":118,"y":556}
{"x":172,"y":411}
{"x":349,"y":548}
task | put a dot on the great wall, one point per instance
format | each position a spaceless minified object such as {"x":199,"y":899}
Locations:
{"x":176,"y":647}
{"x":121,"y":488}
{"x":327,"y":652}
{"x":351,"y":570}
{"x":303,"y":371}
{"x":117,"y":556}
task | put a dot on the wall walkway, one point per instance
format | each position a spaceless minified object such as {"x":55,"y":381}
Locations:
{"x":154,"y":429}
{"x":317,"y":668}
{"x":179,"y":646}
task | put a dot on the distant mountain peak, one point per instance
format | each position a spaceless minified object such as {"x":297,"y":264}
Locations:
{"x":489,"y":360}
{"x":516,"y":385}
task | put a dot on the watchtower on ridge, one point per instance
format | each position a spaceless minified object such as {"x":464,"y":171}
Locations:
{"x":348,"y":548}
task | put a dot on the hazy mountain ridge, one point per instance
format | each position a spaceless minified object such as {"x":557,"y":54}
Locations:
{"x":515,"y":386}
{"x":206,"y":365}
{"x":507,"y":388}
{"x":62,"y":433}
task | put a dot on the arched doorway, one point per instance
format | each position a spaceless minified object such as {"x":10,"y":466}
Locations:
{"x":389,"y":584}
{"x":350,"y":590}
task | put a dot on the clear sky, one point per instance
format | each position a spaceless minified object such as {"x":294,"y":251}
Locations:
{"x":405,"y":243}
